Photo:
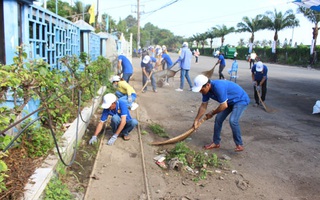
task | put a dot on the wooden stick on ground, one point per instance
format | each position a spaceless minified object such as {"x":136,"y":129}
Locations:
{"x":179,"y":137}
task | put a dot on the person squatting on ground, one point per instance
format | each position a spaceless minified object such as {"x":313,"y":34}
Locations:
{"x":147,"y":68}
{"x":232,"y":100}
{"x":125,"y":92}
{"x":125,"y":66}
{"x":185,"y":64}
{"x":121,"y":122}
{"x":259,"y":74}
{"x":222,"y":64}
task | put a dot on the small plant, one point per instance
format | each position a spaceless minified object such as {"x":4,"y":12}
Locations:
{"x":38,"y":141}
{"x":3,"y":170}
{"x":56,"y":189}
{"x":196,"y":160}
{"x":144,"y":132}
{"x":157,"y":129}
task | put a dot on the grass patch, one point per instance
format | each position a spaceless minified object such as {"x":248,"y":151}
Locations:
{"x":158,"y":130}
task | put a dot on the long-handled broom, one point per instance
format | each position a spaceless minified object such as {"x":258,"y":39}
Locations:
{"x":210,"y":72}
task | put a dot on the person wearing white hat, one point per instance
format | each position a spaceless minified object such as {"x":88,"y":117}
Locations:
{"x":125,"y":92}
{"x":121,"y":121}
{"x":185,"y":65}
{"x":147,"y":75}
{"x":259,"y":75}
{"x":232,"y":100}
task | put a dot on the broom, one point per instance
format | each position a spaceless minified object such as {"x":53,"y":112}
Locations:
{"x":179,"y":137}
{"x":210,"y":72}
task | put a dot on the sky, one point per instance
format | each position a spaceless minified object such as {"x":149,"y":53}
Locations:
{"x":189,"y":17}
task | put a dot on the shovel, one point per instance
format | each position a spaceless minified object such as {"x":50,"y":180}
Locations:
{"x":179,"y":137}
{"x":263,"y":104}
{"x":145,"y":85}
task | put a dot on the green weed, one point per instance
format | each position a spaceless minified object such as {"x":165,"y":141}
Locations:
{"x":157,"y":129}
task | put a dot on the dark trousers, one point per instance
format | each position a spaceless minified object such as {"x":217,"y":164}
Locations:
{"x":251,"y":62}
{"x":221,"y":67}
{"x":263,"y":92}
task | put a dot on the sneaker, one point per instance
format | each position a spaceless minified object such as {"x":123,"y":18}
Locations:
{"x":155,"y":91}
{"x":255,"y":105}
{"x":134,"y":106}
{"x":166,"y":84}
{"x":179,"y":90}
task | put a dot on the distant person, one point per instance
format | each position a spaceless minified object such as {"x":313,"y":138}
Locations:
{"x":121,"y":122}
{"x":235,"y":55}
{"x":147,"y":74}
{"x":125,"y":67}
{"x":125,"y":92}
{"x":253,"y":56}
{"x":222,"y":64}
{"x":233,"y":101}
{"x":196,"y":54}
{"x":259,"y":79}
{"x":185,"y":64}
{"x":165,"y":58}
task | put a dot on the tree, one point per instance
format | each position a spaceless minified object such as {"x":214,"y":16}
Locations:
{"x":250,"y":25}
{"x":211,"y":34}
{"x":222,"y":31}
{"x":196,"y":38}
{"x":64,"y":9}
{"x":203,"y":37}
{"x":277,"y":21}
{"x":313,"y":17}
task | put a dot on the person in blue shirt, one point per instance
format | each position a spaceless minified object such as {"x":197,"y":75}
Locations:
{"x":185,"y":64}
{"x":125,"y":66}
{"x":259,"y":74}
{"x":232,"y":100}
{"x":147,"y":75}
{"x":121,"y":121}
{"x":222,"y":64}
{"x":165,"y":59}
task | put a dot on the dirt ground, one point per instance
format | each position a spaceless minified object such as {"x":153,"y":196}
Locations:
{"x":281,"y":159}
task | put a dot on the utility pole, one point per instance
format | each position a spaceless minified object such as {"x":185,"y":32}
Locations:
{"x":138,"y":18}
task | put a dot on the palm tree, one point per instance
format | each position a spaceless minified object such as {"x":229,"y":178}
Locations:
{"x":211,"y":34}
{"x":196,"y":38}
{"x":250,"y":25}
{"x":277,"y":21}
{"x":222,"y":31}
{"x":203,"y":37}
{"x":313,"y":17}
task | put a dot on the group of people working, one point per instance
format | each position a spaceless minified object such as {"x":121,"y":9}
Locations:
{"x":232,"y":99}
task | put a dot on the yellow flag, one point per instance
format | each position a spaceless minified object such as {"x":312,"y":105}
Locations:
{"x":91,"y":12}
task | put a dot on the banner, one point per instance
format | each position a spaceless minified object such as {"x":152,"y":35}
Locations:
{"x":274,"y":46}
{"x":91,"y":12}
{"x":312,"y":47}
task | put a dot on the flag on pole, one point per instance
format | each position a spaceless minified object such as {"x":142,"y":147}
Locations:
{"x":92,"y":14}
{"x":311,"y":4}
{"x":107,"y":23}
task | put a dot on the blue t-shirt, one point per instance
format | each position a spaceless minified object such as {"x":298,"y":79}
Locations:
{"x":121,"y":110}
{"x":223,"y":90}
{"x":126,"y":65}
{"x":222,"y":61}
{"x":259,"y":75}
{"x":168,"y":60}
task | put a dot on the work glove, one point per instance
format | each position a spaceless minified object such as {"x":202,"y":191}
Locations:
{"x":93,"y":140}
{"x":112,"y":139}
{"x":258,"y":88}
{"x":129,"y":99}
{"x":254,"y":83}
